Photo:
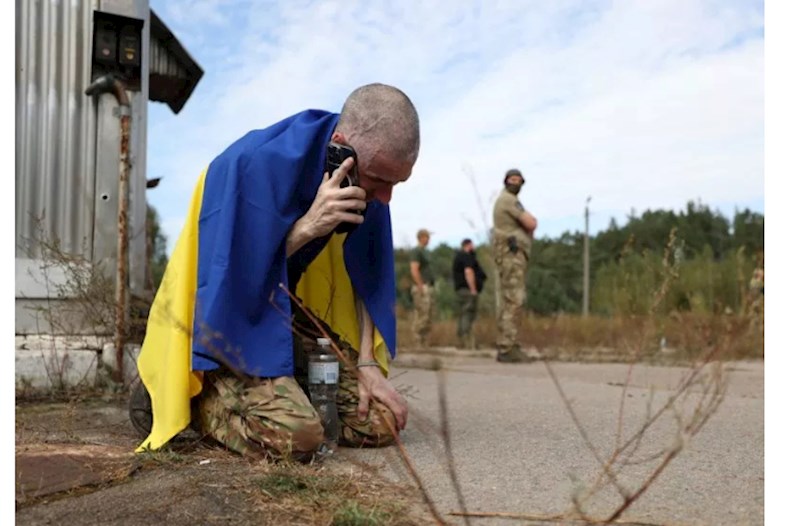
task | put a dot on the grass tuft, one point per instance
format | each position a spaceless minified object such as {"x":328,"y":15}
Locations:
{"x":352,"y":513}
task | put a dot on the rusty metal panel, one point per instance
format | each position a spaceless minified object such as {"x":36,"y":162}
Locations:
{"x":106,"y":196}
{"x":55,"y":126}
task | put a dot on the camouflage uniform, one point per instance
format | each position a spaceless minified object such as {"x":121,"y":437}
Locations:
{"x":267,"y":417}
{"x":423,"y":314}
{"x":757,"y":292}
{"x":511,"y":264}
{"x":423,"y":299}
{"x":274,"y":418}
{"x":756,"y":307}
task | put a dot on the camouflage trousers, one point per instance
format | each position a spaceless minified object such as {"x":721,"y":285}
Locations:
{"x":755,"y":313}
{"x":273,"y":417}
{"x":423,"y":314}
{"x":467,"y":311}
{"x":511,"y":269}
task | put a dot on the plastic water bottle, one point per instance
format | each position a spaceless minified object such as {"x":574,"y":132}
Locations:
{"x":323,"y":383}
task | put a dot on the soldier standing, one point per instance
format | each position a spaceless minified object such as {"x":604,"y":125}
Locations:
{"x":756,"y":307}
{"x":422,"y":289}
{"x":512,"y":238}
{"x":468,"y":278}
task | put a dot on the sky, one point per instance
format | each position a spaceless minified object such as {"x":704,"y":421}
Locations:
{"x":638,"y":104}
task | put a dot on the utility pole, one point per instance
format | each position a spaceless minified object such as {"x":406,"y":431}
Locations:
{"x":586,"y":261}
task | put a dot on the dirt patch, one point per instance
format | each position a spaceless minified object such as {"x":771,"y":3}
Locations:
{"x":46,"y":469}
{"x":75,"y":465}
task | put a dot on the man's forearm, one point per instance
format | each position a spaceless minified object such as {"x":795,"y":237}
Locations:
{"x":367,"y":330}
{"x":416,"y":275}
{"x":533,"y":227}
{"x":527,"y":222}
{"x":299,"y":235}
{"x":469,"y":276}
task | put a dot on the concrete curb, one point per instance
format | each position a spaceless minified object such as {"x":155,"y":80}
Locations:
{"x":47,"y":363}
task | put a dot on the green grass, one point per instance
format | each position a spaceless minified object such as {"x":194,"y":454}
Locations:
{"x":319,"y":495}
{"x":296,"y":484}
{"x":352,"y":513}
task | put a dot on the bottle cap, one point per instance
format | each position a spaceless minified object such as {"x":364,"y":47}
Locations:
{"x":323,"y":341}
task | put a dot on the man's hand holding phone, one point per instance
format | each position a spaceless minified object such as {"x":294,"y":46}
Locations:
{"x":335,"y":155}
{"x":333,"y":204}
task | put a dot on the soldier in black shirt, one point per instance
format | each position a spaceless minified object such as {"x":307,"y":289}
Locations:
{"x":468,"y":278}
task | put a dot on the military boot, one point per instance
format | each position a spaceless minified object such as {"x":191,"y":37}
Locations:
{"x":513,"y":355}
{"x":140,"y":409}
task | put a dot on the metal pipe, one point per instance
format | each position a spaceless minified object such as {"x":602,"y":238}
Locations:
{"x":110,"y":84}
{"x":586,"y":262}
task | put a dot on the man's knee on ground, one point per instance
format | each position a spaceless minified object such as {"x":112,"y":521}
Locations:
{"x":302,"y":440}
{"x":279,"y":437}
{"x":273,"y":419}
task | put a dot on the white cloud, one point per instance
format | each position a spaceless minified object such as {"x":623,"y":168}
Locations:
{"x":640,"y":104}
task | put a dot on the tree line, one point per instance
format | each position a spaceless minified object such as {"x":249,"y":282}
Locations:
{"x":711,"y":259}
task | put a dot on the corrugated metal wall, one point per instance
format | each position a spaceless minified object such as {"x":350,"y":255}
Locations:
{"x":163,"y":62}
{"x":67,"y":143}
{"x":67,"y":151}
{"x":55,"y":126}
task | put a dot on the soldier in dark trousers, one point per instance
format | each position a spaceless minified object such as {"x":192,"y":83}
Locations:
{"x":468,"y":279}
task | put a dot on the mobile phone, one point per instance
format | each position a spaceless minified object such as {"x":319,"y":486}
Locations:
{"x":336,"y":155}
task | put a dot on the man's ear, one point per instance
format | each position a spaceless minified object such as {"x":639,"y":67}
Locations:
{"x":338,"y":137}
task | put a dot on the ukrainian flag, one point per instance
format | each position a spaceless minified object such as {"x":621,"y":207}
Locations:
{"x":220,"y":301}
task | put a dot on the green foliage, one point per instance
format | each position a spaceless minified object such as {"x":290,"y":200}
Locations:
{"x":715,"y":263}
{"x":403,"y":281}
{"x":280,"y":483}
{"x":748,"y":231}
{"x":626,"y":286}
{"x":555,"y":274}
{"x":158,"y":246}
{"x":351,"y":513}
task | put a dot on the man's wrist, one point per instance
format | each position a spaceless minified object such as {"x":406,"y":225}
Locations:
{"x":367,"y":363}
{"x":305,"y":230}
{"x":300,"y":234}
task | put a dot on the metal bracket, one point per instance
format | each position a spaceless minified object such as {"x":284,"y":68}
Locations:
{"x":120,"y":111}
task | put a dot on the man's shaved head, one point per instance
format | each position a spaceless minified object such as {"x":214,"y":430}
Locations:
{"x":377,"y":118}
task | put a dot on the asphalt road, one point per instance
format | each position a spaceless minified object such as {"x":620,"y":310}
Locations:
{"x":517,"y":450}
